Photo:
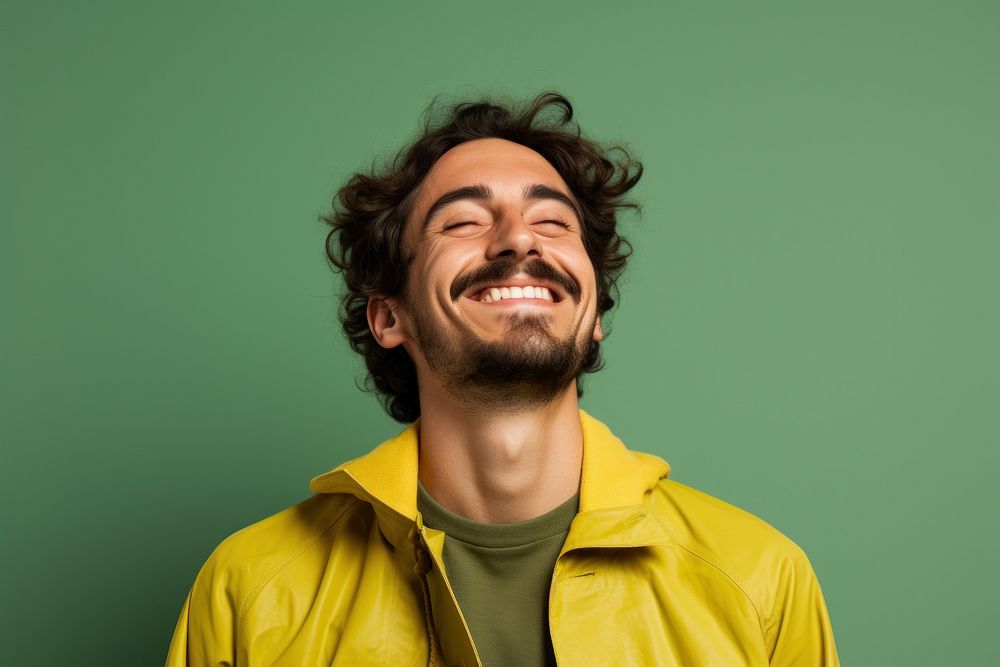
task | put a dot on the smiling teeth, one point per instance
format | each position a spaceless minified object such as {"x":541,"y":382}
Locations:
{"x":528,"y":292}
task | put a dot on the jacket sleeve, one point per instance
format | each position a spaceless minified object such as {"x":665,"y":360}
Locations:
{"x":206,"y":630}
{"x":798,"y":632}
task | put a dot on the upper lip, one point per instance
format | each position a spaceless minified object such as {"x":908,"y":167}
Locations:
{"x":557,"y":293}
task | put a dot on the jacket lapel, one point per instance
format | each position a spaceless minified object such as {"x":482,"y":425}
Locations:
{"x":385,"y":477}
{"x":614,"y":486}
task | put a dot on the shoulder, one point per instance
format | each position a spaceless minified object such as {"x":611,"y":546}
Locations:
{"x":698,"y":518}
{"x":245,"y":562}
{"x":286,"y":547}
{"x":757,"y":557}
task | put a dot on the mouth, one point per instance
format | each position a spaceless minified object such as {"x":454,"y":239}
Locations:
{"x":517,"y":293}
{"x":507,"y":282}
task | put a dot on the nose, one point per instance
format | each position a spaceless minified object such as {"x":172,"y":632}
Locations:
{"x":513,"y":238}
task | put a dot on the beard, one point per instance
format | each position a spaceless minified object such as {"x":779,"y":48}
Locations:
{"x":525,"y":370}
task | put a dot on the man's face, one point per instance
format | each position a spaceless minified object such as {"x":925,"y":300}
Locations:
{"x":500,"y":303}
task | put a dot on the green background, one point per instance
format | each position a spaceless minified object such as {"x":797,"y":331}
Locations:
{"x":809,"y":327}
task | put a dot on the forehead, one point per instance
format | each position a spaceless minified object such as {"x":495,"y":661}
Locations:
{"x":503,"y":165}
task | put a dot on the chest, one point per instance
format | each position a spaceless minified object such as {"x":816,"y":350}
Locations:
{"x":364,"y":604}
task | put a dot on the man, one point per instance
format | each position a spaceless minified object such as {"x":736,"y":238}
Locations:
{"x":504,"y":525}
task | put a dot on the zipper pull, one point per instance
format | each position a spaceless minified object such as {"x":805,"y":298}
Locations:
{"x":422,"y":563}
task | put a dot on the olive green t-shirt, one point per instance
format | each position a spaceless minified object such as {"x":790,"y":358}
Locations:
{"x":501,"y":574}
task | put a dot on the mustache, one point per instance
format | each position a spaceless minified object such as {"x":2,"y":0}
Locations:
{"x":499,"y":271}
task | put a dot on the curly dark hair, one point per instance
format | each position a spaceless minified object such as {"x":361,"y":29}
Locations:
{"x":370,"y":210}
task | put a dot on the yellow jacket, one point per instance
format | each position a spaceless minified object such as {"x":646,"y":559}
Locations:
{"x":652,"y":573}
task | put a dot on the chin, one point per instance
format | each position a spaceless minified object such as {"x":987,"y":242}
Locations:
{"x":533,"y":368}
{"x":526,"y":367}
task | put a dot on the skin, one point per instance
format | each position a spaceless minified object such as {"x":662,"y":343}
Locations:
{"x":496,"y":454}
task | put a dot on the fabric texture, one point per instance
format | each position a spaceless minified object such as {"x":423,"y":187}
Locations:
{"x":652,"y":572}
{"x":501,"y":575}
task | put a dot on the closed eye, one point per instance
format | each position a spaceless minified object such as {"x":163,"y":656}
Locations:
{"x":562,"y":224}
{"x":458,"y":224}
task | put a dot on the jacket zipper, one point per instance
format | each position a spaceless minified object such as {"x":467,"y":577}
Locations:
{"x":421,"y":567}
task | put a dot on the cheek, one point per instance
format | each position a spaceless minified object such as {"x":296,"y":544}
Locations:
{"x":451,"y":259}
{"x":575,"y":261}
{"x":438,"y":270}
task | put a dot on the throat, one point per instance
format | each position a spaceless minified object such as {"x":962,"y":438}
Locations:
{"x":502,"y":468}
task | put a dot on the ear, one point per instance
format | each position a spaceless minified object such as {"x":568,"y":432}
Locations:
{"x":598,"y":334}
{"x":385,"y":326}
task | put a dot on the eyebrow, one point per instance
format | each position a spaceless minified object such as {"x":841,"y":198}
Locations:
{"x":539,"y":191}
{"x":478,"y":192}
{"x":482,"y":192}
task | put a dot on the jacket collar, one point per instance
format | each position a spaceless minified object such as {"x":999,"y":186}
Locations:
{"x":614,"y":487}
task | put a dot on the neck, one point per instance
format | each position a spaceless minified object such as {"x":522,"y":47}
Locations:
{"x":498,"y":466}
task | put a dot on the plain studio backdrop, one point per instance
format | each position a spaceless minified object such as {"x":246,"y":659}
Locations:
{"x":808,"y":329}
